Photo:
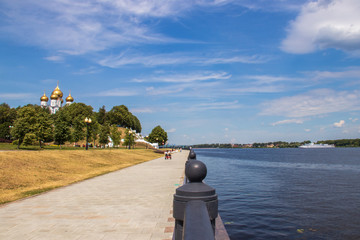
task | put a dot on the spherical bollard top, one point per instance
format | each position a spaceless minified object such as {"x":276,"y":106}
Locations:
{"x":192,"y":155}
{"x":195,"y":171}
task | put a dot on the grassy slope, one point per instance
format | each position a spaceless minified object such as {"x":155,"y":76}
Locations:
{"x":25,"y":173}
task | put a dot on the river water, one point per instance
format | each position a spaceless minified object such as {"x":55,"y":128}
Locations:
{"x":286,"y":193}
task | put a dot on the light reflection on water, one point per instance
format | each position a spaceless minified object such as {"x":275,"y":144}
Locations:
{"x":286,"y":193}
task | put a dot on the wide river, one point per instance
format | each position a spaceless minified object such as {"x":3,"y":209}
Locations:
{"x":286,"y":193}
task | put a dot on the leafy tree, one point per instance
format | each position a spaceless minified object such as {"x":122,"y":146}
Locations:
{"x":29,"y":139}
{"x":76,"y":114}
{"x":94,"y":130}
{"x":101,"y":115}
{"x":118,"y":115}
{"x":137,"y":124}
{"x":129,"y":139}
{"x":44,"y":126}
{"x":104,"y":134}
{"x":77,"y":131}
{"x":24,"y":123}
{"x":115,"y":135}
{"x":7,"y":118}
{"x":158,"y":135}
{"x":62,"y":129}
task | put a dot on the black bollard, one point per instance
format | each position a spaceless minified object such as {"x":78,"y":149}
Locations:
{"x":195,"y":171}
{"x":192,"y":155}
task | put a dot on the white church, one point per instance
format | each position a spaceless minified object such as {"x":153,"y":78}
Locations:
{"x":56,"y":100}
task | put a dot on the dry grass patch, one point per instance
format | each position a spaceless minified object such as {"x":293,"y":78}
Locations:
{"x":25,"y":173}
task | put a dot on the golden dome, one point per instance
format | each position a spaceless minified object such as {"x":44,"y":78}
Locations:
{"x":54,"y":96}
{"x":58,"y":92}
{"x":69,"y":98}
{"x":44,"y":98}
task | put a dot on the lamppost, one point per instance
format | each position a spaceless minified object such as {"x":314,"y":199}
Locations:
{"x":87,"y":121}
{"x":10,"y":127}
{"x":130,"y":132}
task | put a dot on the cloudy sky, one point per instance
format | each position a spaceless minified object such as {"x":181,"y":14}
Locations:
{"x":207,"y":71}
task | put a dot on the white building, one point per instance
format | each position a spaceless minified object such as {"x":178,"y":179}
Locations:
{"x":56,"y":100}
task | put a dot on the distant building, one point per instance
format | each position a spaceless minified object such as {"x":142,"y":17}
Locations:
{"x":56,"y":100}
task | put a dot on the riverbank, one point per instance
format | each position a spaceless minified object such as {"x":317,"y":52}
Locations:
{"x":26,"y":173}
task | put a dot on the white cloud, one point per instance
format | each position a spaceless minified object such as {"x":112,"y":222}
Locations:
{"x":168,"y":90}
{"x":307,"y":130}
{"x":142,"y":110}
{"x":313,"y":103}
{"x":172,"y":130}
{"x":267,"y":79}
{"x":89,"y":70}
{"x":185,"y":78}
{"x":348,"y":73}
{"x":78,"y":27}
{"x":16,"y":95}
{"x":150,"y":109}
{"x":215,"y":106}
{"x":118,"y":93}
{"x":353,"y":119}
{"x":126,"y":58}
{"x":325,"y":24}
{"x":265,"y":84}
{"x":235,"y":59}
{"x":339,"y":124}
{"x":256,"y":89}
{"x":55,"y":58}
{"x":287,"y":121}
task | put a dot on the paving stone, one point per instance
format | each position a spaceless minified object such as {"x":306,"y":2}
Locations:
{"x":132,"y":203}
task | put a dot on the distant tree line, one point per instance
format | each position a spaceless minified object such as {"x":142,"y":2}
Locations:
{"x":33,"y":123}
{"x":343,"y":142}
{"x":213,"y":145}
{"x":281,"y":144}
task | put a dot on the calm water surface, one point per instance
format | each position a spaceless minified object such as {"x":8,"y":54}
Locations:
{"x":286,"y":193}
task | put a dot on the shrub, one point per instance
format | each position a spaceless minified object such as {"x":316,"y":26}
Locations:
{"x":29,"y":139}
{"x":15,"y":142}
{"x":5,"y":140}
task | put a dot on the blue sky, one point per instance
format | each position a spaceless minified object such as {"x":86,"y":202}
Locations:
{"x":207,"y":71}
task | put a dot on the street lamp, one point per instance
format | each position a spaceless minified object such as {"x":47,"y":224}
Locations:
{"x":10,"y":127}
{"x":87,"y":121}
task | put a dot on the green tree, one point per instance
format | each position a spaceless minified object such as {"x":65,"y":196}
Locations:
{"x":115,"y":135}
{"x":62,"y":129}
{"x":137,"y":124}
{"x":101,"y":115}
{"x":77,"y":130}
{"x":44,"y":126}
{"x":158,"y":135}
{"x":29,"y":139}
{"x":76,"y":114}
{"x":24,"y":123}
{"x":118,"y":115}
{"x":104,"y":134}
{"x":94,"y":130}
{"x":7,"y":118}
{"x":129,"y":139}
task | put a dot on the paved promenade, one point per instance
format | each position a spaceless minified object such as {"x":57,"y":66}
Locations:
{"x":132,"y":203}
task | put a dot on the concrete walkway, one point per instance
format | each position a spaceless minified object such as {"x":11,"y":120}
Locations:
{"x":132,"y":203}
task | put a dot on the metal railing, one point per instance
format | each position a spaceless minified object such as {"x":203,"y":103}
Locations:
{"x":195,"y":205}
{"x":197,"y":224}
